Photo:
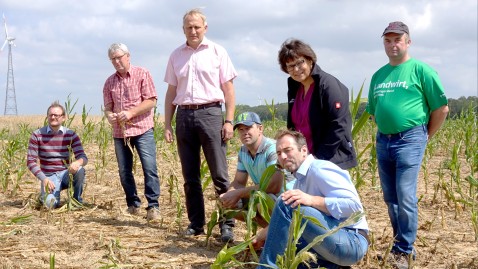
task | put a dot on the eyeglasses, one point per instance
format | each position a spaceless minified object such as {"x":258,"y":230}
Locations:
{"x":114,"y":59}
{"x":55,"y":115}
{"x":298,"y":65}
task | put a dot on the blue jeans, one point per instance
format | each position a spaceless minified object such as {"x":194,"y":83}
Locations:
{"x":346,"y":247}
{"x":146,"y":147}
{"x":61,"y":181}
{"x":399,"y":158}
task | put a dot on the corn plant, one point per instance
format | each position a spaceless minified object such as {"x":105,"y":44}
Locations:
{"x":205,"y":175}
{"x":174,"y":190}
{"x":87,"y":132}
{"x":69,"y":107}
{"x":474,"y":221}
{"x":52,"y":260}
{"x":358,"y":124}
{"x":273,"y":110}
{"x":225,"y":257}
{"x":103,"y":139}
{"x":12,"y":164}
{"x":72,"y":203}
{"x":17,"y":220}
{"x":260,"y":201}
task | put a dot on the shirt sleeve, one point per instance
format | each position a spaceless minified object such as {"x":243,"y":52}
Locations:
{"x":32,"y":158}
{"x":227,"y":70}
{"x":433,"y":89}
{"x":78,"y":150}
{"x":170,"y":76}
{"x":341,"y":197}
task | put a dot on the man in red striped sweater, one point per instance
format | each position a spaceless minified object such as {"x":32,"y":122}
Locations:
{"x":60,"y":153}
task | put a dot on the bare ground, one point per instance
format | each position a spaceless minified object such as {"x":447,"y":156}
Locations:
{"x":106,"y":236}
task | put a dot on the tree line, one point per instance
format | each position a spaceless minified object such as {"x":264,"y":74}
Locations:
{"x":457,"y":106}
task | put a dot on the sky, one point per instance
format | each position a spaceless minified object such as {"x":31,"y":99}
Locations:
{"x":60,"y":50}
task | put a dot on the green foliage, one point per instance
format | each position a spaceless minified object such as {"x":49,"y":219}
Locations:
{"x":52,"y":261}
{"x":18,"y":220}
{"x":225,"y":257}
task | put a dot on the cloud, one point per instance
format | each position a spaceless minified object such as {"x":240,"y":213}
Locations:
{"x":62,"y":45}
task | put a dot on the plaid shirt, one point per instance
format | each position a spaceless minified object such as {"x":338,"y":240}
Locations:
{"x":125,"y":93}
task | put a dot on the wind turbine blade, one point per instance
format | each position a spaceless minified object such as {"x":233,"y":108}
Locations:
{"x":4,"y":43}
{"x":5,"y":24}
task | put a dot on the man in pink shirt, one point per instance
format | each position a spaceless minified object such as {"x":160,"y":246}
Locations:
{"x":199,"y":76}
{"x":129,"y":98}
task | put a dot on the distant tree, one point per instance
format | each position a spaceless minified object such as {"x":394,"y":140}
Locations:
{"x":456,"y":107}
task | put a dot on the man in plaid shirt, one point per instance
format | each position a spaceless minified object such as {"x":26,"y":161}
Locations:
{"x":129,"y":98}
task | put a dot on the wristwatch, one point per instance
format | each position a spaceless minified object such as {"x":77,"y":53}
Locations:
{"x":229,"y":121}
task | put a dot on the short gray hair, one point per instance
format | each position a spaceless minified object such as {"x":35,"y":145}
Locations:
{"x":196,"y":12}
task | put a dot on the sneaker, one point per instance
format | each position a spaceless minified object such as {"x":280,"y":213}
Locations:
{"x":193,"y":232}
{"x":133,"y":210}
{"x":227,"y":235}
{"x":153,"y":214}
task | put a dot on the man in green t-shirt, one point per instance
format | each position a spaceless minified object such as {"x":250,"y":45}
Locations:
{"x":407,"y":101}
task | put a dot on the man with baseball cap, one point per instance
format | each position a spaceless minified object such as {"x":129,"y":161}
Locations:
{"x":407,"y":102}
{"x":396,"y":27}
{"x":255,"y":155}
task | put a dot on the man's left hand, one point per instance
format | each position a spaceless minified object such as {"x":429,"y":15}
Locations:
{"x":74,"y":167}
{"x":124,"y":116}
{"x":230,"y":198}
{"x":296,"y":197}
{"x":227,"y":131}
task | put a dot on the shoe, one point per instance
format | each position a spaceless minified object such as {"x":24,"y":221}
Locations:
{"x":193,"y":232}
{"x":400,"y":261}
{"x":153,"y":214}
{"x":227,"y":235}
{"x":133,"y":210}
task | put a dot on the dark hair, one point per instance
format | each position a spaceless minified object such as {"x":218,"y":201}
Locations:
{"x":292,"y":49}
{"x":299,"y":138}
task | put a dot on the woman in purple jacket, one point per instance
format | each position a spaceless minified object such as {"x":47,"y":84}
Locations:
{"x":318,"y":105}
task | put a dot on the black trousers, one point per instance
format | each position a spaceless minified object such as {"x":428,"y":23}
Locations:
{"x":196,"y":128}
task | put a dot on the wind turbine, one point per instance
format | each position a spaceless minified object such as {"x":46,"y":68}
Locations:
{"x":10,"y":98}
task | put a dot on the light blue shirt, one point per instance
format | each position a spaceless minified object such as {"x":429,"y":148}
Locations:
{"x":61,"y":130}
{"x":265,"y":156}
{"x":324,"y":178}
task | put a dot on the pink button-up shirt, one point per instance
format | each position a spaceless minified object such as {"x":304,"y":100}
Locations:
{"x":126,"y":93}
{"x":198,"y":74}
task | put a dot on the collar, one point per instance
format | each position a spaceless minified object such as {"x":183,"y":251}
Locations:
{"x":61,"y":130}
{"x":261,"y":147}
{"x":205,"y":42}
{"x":128,"y":73}
{"x":304,"y":167}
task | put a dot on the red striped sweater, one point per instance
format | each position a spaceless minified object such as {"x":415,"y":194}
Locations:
{"x":53,"y":151}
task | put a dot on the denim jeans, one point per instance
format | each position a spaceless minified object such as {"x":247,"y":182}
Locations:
{"x":399,"y":158}
{"x":145,"y":145}
{"x":345,"y":247}
{"x":61,"y":181}
{"x":196,"y":128}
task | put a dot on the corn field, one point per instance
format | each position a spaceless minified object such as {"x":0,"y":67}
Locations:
{"x":104,"y":235}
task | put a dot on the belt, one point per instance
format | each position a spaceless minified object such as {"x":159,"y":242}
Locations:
{"x":195,"y":107}
{"x":362,"y":232}
{"x":400,"y":134}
